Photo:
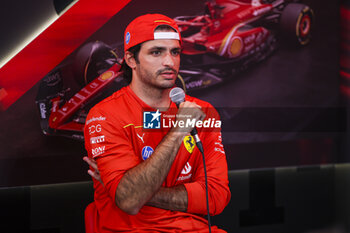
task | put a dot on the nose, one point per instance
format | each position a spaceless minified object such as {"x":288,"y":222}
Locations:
{"x":168,"y":60}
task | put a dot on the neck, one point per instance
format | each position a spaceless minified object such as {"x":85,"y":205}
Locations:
{"x":154,"y":97}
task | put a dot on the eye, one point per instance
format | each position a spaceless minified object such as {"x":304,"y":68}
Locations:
{"x":175,"y":52}
{"x":155,"y":52}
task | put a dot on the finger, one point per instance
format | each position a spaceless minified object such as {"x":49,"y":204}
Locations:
{"x":199,"y":114}
{"x":198,"y":106}
{"x":86,"y":159}
{"x":94,"y":175}
{"x":190,"y":104}
{"x":91,"y":162}
{"x":181,"y":104}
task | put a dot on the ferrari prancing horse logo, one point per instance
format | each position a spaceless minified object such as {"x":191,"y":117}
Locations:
{"x":189,"y":143}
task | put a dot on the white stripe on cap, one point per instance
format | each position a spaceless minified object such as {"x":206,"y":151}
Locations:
{"x":166,"y":35}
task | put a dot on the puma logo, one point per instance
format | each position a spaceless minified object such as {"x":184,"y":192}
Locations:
{"x":141,"y":137}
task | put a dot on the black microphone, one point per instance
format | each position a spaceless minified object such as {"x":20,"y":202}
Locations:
{"x":177,"y":95}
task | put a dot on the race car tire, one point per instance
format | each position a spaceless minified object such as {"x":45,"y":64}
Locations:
{"x":296,"y":23}
{"x":91,"y":61}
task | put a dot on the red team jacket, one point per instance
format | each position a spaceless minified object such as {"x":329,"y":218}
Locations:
{"x":115,"y":138}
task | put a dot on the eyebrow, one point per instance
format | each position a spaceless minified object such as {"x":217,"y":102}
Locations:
{"x":163,"y":48}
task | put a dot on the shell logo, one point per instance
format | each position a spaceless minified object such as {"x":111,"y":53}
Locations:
{"x":236,"y":47}
{"x":106,"y":75}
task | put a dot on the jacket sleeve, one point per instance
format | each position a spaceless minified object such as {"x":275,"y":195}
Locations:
{"x":216,"y":166}
{"x":107,"y":143}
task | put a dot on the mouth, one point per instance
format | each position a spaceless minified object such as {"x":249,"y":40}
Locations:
{"x":168,"y":74}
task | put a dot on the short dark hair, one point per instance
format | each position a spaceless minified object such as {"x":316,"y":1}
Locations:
{"x":127,"y":72}
{"x":135,"y":50}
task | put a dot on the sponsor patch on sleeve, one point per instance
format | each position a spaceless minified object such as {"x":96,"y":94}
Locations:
{"x":98,"y":139}
{"x":96,"y":151}
{"x":189,"y":143}
{"x":146,"y":152}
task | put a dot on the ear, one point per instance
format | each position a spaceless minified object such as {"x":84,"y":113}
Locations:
{"x":130,"y":59}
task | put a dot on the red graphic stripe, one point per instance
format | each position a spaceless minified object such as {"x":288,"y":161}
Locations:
{"x":53,"y":45}
{"x":345,"y":75}
{"x":345,"y":13}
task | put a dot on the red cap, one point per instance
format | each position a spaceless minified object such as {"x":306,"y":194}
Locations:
{"x":142,"y":29}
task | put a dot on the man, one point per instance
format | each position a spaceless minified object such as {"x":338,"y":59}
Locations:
{"x":153,"y":180}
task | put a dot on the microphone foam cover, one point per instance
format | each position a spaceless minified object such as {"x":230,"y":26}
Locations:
{"x":177,"y":95}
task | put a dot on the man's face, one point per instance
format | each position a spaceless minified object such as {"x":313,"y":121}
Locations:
{"x":159,"y":62}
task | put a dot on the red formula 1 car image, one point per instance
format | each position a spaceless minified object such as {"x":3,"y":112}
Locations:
{"x":233,"y":35}
{"x":227,"y":38}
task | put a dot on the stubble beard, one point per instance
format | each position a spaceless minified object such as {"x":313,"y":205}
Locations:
{"x":151,"y":79}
